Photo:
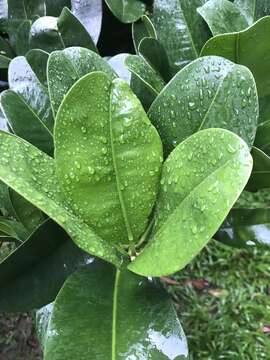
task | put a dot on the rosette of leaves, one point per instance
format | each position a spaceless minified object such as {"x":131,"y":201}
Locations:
{"x":110,"y":190}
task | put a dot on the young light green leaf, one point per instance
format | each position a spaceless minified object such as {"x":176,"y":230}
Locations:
{"x":127,"y":11}
{"x":108,"y":157}
{"x":200,"y":96}
{"x":223,"y":16}
{"x":250,"y":48}
{"x":260,"y":177}
{"x":26,"y":280}
{"x":187,"y":30}
{"x":201,"y":180}
{"x":31,"y":173}
{"x":245,"y":228}
{"x":67,"y":66}
{"x":101,"y":314}
{"x":51,"y":33}
{"x":253,"y":9}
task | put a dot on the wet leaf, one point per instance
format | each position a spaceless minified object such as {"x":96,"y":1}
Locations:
{"x":51,"y":33}
{"x":253,"y":9}
{"x":187,"y":30}
{"x":245,"y":228}
{"x":201,"y":96}
{"x":32,"y":275}
{"x":260,"y":177}
{"x":146,"y":82}
{"x":31,"y":173}
{"x":201,"y":180}
{"x":117,"y":62}
{"x":253,"y":51}
{"x":108,"y":157}
{"x":127,"y":11}
{"x":223,"y":16}
{"x":143,"y":28}
{"x":103,"y":314}
{"x":67,"y":66}
{"x":89,"y":12}
{"x":38,"y":59}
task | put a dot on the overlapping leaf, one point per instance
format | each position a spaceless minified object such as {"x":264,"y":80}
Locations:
{"x":127,"y":11}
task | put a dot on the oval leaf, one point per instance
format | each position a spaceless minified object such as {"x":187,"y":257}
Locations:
{"x":103,"y":314}
{"x":108,"y":156}
{"x":201,"y":180}
{"x":127,"y":11}
{"x":201,"y":96}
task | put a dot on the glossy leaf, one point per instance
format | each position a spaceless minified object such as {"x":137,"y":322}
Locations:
{"x":67,"y":66}
{"x":201,"y":96}
{"x":253,"y":9}
{"x":250,"y":48}
{"x":260,"y":177}
{"x":141,"y":29}
{"x":146,"y":82}
{"x":102,"y":314}
{"x":32,"y":275}
{"x":180,"y":29}
{"x":223,"y":16}
{"x":51,"y":33}
{"x":117,"y":63}
{"x":31,"y":173}
{"x":201,"y":180}
{"x":89,"y":12}
{"x":102,"y":136}
{"x":38,"y":59}
{"x":127,"y":11}
{"x":245,"y":228}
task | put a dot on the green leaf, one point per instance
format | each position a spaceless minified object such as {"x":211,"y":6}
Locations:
{"x":262,"y":140}
{"x":51,"y":33}
{"x":222,"y":16}
{"x":18,"y":32}
{"x":101,"y":314}
{"x":117,"y":63}
{"x":253,"y":9}
{"x":38,"y":59}
{"x":26,"y":9}
{"x":6,"y":53}
{"x":54,"y":8}
{"x":180,"y":29}
{"x":67,"y":66}
{"x":32,"y":275}
{"x":127,"y":11}
{"x":201,"y":180}
{"x":250,"y":48}
{"x":201,"y":96}
{"x":102,"y":136}
{"x":31,"y":173}
{"x":141,"y":29}
{"x":260,"y":177}
{"x":244,"y":228}
{"x":25,"y":212}
{"x":13,"y":229}
{"x":146,"y":82}
{"x":89,"y":12}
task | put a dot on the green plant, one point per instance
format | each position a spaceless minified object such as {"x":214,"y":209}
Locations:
{"x":143,"y":192}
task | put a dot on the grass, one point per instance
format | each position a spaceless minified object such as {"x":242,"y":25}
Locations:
{"x":222,"y":297}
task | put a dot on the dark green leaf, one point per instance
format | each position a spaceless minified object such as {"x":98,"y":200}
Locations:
{"x":38,"y":59}
{"x":260,"y":177}
{"x":201,"y":180}
{"x":67,"y":66}
{"x":180,"y":29}
{"x":222,"y":16}
{"x":19,"y":35}
{"x":262,"y":140}
{"x":244,"y":228}
{"x":54,"y":8}
{"x":31,"y":173}
{"x":32,"y":275}
{"x":250,"y":48}
{"x":13,"y":229}
{"x":25,"y":9}
{"x":103,"y":314}
{"x":253,"y":9}
{"x":126,"y":11}
{"x":6,"y":53}
{"x":201,"y":96}
{"x":102,"y":136}
{"x":141,"y":29}
{"x":50,"y":33}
